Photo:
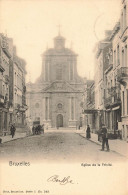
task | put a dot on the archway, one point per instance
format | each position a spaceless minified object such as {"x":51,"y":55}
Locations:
{"x":59,"y":120}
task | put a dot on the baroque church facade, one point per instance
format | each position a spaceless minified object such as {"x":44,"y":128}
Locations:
{"x":55,"y":98}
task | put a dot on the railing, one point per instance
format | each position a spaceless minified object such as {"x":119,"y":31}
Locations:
{"x":24,"y":89}
{"x":108,"y":101}
{"x":6,"y":79}
{"x":113,"y":99}
{"x":113,"y":91}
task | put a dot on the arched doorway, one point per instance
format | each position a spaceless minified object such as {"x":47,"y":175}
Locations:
{"x":59,"y":120}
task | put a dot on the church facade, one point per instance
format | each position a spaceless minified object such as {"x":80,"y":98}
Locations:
{"x":55,"y":98}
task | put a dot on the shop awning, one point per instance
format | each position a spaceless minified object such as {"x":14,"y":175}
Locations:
{"x":116,"y":108}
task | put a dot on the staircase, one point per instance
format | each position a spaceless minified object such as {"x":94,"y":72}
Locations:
{"x":62,"y":128}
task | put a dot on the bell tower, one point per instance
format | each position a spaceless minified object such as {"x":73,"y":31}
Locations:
{"x":59,"y":42}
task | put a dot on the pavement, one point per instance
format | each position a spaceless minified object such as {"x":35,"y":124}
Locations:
{"x":57,"y":146}
{"x":9,"y":138}
{"x":116,"y":145}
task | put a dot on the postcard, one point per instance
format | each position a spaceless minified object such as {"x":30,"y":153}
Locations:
{"x":63,"y":97}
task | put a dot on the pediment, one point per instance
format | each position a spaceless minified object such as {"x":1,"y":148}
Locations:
{"x":59,"y":87}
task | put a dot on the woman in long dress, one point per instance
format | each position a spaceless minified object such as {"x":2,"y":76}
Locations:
{"x":88,"y":134}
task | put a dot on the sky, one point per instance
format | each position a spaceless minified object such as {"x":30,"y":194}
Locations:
{"x":33,"y":24}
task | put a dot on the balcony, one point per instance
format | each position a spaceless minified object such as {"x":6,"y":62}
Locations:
{"x":1,"y":99}
{"x":24,"y":89}
{"x":122,"y":75}
{"x":6,"y":79}
{"x":23,"y":108}
{"x":113,"y":91}
{"x":108,"y":101}
{"x":113,"y":100}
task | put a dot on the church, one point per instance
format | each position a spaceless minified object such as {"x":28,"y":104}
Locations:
{"x":55,"y":98}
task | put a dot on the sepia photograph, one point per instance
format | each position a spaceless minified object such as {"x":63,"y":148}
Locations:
{"x":64,"y":97}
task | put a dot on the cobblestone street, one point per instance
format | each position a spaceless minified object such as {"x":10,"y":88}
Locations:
{"x":57,"y":146}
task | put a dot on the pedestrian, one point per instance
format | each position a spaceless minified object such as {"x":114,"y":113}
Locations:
{"x":12,"y":129}
{"x":88,"y":134}
{"x":104,"y":134}
{"x":42,"y":128}
{"x":33,"y":130}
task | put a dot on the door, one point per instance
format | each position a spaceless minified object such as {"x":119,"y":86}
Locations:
{"x":59,"y":120}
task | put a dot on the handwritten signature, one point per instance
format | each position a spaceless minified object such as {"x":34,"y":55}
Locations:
{"x":64,"y":181}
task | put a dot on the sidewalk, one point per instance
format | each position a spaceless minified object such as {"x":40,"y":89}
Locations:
{"x":116,"y":145}
{"x":8,"y":138}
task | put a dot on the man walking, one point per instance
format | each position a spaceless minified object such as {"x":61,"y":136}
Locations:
{"x":104,"y":138}
{"x":12,"y":129}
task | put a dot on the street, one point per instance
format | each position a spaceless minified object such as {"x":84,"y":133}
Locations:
{"x":57,"y":146}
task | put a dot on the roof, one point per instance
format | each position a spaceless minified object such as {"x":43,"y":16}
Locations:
{"x":63,"y":51}
{"x":59,"y":37}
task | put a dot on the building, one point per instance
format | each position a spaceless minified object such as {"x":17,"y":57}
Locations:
{"x":55,"y":97}
{"x":122,"y":73}
{"x":112,"y":87}
{"x":111,"y":77}
{"x":12,"y":86}
{"x":4,"y":85}
{"x":19,"y":90}
{"x":89,"y":110}
{"x":101,"y":63}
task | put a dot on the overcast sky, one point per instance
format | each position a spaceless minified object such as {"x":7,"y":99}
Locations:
{"x":33,"y":24}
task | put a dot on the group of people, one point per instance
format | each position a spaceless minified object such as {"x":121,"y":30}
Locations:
{"x":104,"y":135}
{"x":36,"y":130}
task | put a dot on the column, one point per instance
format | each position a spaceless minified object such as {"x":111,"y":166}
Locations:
{"x":48,"y":108}
{"x":44,"y":108}
{"x":73,"y":71}
{"x":74,"y":109}
{"x":69,"y":70}
{"x":44,"y":72}
{"x":70,"y":108}
{"x":48,"y":71}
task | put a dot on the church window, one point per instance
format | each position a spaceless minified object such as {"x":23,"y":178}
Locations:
{"x":59,"y":106}
{"x":59,"y":72}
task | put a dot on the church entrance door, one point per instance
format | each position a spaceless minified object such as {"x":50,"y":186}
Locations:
{"x":59,"y":120}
